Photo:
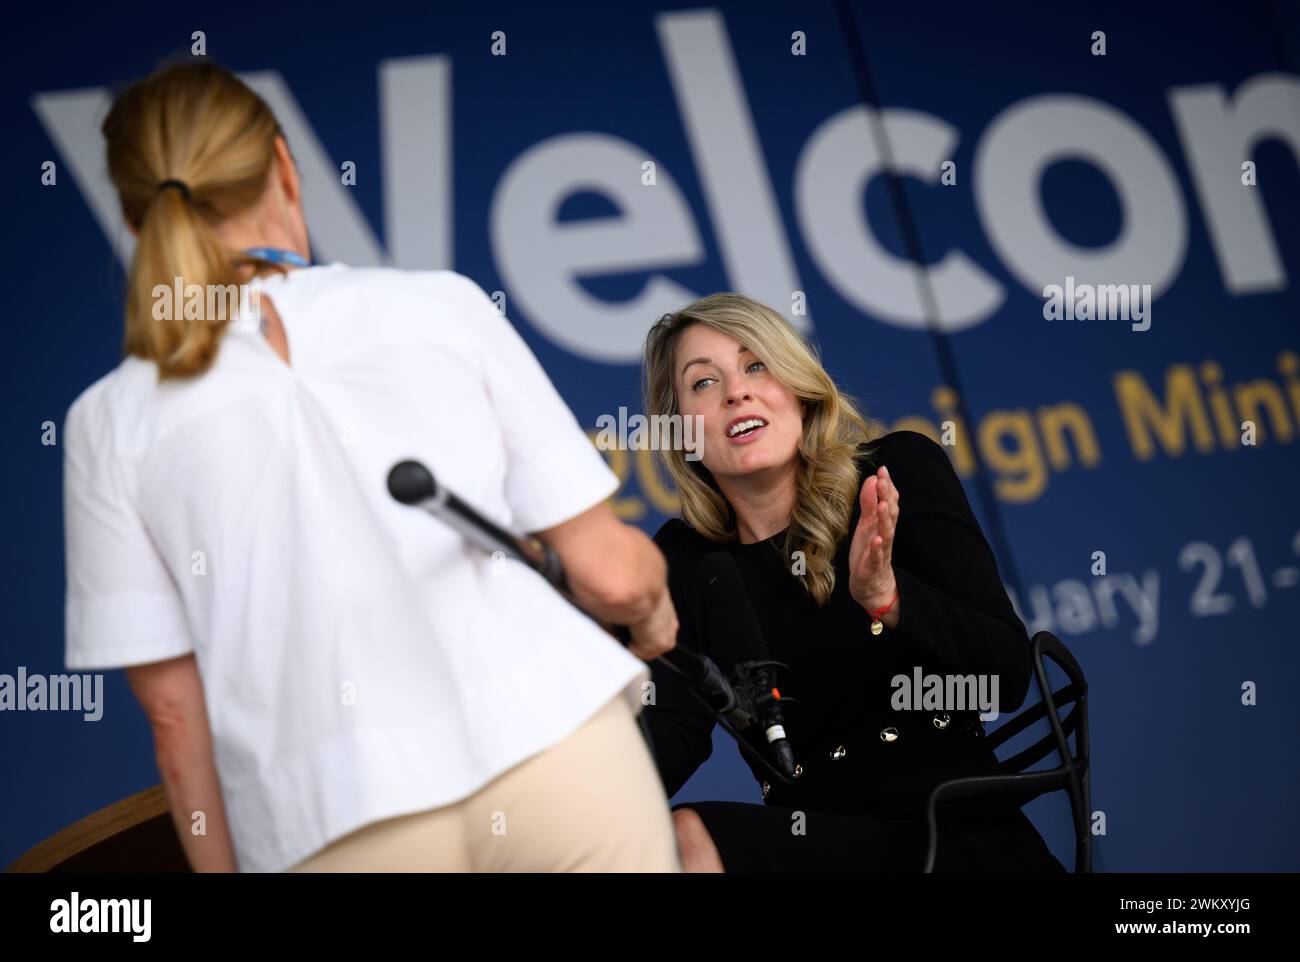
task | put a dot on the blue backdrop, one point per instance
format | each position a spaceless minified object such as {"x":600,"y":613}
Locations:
{"x":600,"y":165}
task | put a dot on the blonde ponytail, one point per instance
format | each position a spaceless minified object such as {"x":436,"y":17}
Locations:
{"x":198,"y":124}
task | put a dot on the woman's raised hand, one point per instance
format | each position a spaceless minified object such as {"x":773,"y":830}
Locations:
{"x":871,"y":553}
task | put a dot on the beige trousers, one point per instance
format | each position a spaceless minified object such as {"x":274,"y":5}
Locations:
{"x":592,"y":803}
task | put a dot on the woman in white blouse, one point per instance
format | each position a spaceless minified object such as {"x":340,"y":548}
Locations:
{"x":334,"y":680}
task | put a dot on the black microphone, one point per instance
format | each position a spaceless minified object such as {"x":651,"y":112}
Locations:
{"x":736,"y":636}
{"x":411,"y":483}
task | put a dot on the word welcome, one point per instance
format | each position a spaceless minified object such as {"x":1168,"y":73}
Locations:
{"x":543,"y":259}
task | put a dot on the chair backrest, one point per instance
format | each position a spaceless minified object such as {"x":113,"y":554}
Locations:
{"x":135,"y":834}
{"x":1077,"y":762}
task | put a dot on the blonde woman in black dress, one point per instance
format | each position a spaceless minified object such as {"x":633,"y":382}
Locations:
{"x":863,"y":561}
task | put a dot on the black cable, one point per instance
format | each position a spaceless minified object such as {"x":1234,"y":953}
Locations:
{"x":912,"y":245}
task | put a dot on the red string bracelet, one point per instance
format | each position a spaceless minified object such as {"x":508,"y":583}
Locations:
{"x":877,"y":626}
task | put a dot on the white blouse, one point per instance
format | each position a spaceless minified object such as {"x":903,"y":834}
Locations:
{"x":359,"y":659}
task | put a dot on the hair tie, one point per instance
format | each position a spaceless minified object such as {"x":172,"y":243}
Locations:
{"x":178,"y":184}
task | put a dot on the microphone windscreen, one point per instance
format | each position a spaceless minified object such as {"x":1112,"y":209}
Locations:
{"x":410,"y":482}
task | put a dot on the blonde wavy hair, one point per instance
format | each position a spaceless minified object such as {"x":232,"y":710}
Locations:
{"x":195,"y":122}
{"x":833,"y":427}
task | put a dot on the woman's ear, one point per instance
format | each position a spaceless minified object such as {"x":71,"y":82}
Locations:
{"x":288,"y":170}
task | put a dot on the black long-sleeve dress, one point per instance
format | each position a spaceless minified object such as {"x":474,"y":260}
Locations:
{"x":865,"y":767}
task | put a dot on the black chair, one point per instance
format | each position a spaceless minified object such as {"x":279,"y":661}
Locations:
{"x":1071,"y":774}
